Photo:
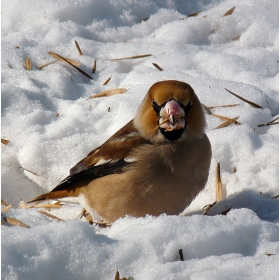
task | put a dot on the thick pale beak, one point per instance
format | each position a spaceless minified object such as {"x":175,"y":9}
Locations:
{"x":172,"y":116}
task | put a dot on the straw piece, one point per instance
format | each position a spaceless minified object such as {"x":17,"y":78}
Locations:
{"x":7,"y":208}
{"x":227,"y":119}
{"x":28,"y":64}
{"x":47,"y":206}
{"x":87,"y":216}
{"x":78,"y":48}
{"x":144,"y":19}
{"x":46,"y":64}
{"x":219,"y":195}
{"x":227,"y":123}
{"x":157,"y":66}
{"x":245,"y":100}
{"x":3,"y":203}
{"x":269,"y":123}
{"x":15,"y":222}
{"x":131,"y":57}
{"x":236,"y":38}
{"x":67,"y":60}
{"x":94,"y":67}
{"x":4,"y":141}
{"x":51,"y":216}
{"x":109,"y":92}
{"x":107,"y":81}
{"x":29,"y":171}
{"x":207,"y":208}
{"x":223,"y":106}
{"x":181,"y":255}
{"x":229,"y":12}
{"x":226,"y":211}
{"x":71,"y":61}
{"x":193,"y":14}
{"x":117,"y":275}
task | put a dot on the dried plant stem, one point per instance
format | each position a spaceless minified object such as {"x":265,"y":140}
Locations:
{"x":219,"y":195}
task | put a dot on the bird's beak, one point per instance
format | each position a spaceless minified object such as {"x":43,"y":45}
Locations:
{"x":172,"y":116}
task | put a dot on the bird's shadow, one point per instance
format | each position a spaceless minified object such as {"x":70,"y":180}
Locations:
{"x":265,"y":205}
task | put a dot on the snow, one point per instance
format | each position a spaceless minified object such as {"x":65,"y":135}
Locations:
{"x":51,"y":125}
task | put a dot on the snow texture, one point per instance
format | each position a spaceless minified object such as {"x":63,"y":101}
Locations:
{"x":51,"y":125}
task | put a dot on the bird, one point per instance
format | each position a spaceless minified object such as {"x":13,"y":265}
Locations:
{"x":155,"y":164}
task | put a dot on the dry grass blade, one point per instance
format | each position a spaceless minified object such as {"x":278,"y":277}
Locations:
{"x":3,"y":203}
{"x":107,"y":81}
{"x":22,"y":205}
{"x":131,"y":57}
{"x":109,"y":92}
{"x":194,"y":14}
{"x":236,"y":38}
{"x":144,"y":19}
{"x":245,"y":100}
{"x":227,"y":123}
{"x":269,"y":123}
{"x":87,"y":216}
{"x":102,"y":224}
{"x":46,"y":64}
{"x":157,"y":66}
{"x":4,"y":141}
{"x":117,"y":275}
{"x":94,"y":67}
{"x":51,"y":216}
{"x":7,"y":208}
{"x":10,"y":66}
{"x":28,"y":64}
{"x":181,"y":255}
{"x":71,"y":61}
{"x":29,"y":171}
{"x":219,"y":194}
{"x":15,"y":222}
{"x":207,"y":208}
{"x":78,"y":48}
{"x":208,"y":112}
{"x":227,"y":119}
{"x":77,"y":68}
{"x":229,"y":12}
{"x":46,"y":206}
{"x":206,"y":109}
{"x":223,"y":106}
{"x":226,"y":211}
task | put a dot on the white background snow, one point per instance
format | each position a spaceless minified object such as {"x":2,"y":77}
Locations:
{"x":51,"y":125}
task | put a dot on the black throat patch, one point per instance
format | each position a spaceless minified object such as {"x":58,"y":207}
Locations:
{"x":172,"y":135}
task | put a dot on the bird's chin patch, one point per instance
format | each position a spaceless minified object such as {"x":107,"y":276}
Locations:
{"x":171,"y":135}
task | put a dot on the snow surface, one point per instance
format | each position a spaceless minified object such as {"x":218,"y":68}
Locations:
{"x":51,"y":125}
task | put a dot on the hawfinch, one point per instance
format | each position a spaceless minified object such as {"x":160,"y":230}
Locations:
{"x":157,"y":163}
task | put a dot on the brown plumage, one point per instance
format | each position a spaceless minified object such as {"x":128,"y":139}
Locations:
{"x":157,"y":163}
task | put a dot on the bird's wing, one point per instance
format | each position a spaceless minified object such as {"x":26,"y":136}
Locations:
{"x":111,"y":157}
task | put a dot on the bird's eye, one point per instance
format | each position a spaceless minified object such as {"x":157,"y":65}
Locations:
{"x":156,"y":107}
{"x":188,"y":107}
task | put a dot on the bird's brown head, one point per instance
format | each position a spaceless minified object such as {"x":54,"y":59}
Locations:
{"x":170,"y":111}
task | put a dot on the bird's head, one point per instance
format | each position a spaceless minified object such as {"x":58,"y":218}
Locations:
{"x":170,"y":111}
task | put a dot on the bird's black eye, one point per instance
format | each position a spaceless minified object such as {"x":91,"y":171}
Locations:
{"x":156,"y":107}
{"x":188,"y":107}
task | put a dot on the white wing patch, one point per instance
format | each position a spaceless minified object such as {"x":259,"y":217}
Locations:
{"x":130,"y":160}
{"x":102,"y":161}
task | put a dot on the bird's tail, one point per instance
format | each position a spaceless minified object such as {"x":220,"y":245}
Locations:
{"x":55,"y":195}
